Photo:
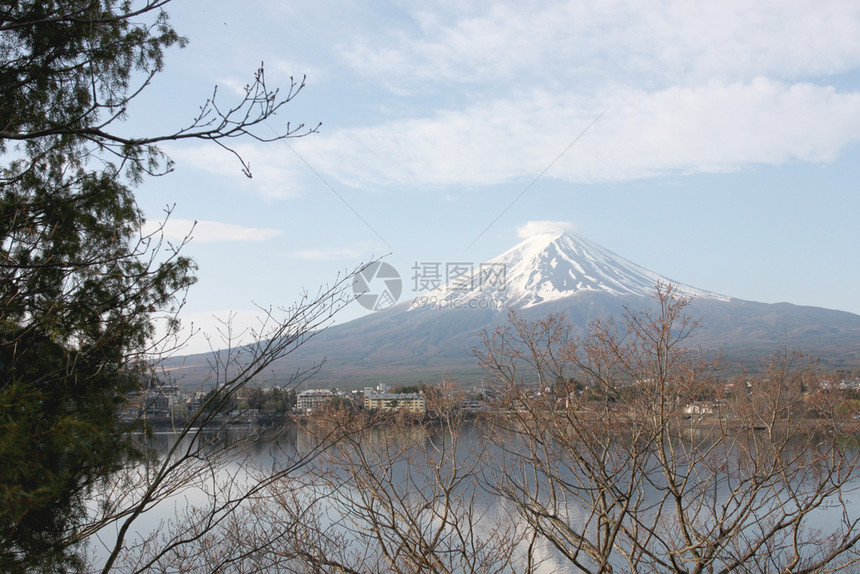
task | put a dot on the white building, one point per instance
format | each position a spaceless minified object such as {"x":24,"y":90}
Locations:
{"x":412,"y":402}
{"x":312,"y":399}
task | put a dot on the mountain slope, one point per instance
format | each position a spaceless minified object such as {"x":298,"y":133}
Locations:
{"x":434,"y":334}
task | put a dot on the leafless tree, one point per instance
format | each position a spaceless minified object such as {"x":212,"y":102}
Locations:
{"x":406,"y":493}
{"x":210,"y":473}
{"x":386,"y":492}
{"x":619,"y":450}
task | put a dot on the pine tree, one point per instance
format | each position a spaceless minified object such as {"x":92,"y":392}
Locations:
{"x":79,"y":283}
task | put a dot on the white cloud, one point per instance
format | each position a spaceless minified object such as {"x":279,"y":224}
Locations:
{"x":532,"y":228}
{"x":714,"y":128}
{"x":661,"y":41}
{"x":208,"y":231}
{"x":687,"y":87}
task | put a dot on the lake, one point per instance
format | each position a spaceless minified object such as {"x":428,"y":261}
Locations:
{"x":445,"y":499}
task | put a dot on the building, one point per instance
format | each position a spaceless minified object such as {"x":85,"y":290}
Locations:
{"x":312,"y":399}
{"x":157,"y":400}
{"x":412,"y":402}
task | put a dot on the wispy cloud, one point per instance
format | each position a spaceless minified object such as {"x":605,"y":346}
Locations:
{"x":209,"y":231}
{"x":666,"y":41}
{"x":687,"y":88}
{"x":714,"y":128}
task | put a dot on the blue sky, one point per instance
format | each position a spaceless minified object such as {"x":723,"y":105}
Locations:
{"x":715,"y":143}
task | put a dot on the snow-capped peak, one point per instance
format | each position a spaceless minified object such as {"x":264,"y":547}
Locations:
{"x":548,"y":267}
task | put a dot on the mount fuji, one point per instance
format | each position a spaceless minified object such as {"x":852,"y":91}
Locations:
{"x":551,"y":268}
{"x":433,"y":335}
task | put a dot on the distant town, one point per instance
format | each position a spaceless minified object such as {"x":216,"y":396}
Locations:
{"x":170,"y":404}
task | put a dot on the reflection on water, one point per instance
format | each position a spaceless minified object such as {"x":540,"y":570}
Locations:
{"x":360,"y":497}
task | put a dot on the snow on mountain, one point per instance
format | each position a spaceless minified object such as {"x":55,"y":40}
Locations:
{"x":545,"y":268}
{"x":546,"y":273}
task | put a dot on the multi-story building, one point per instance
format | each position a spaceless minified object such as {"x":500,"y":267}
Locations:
{"x":412,"y":402}
{"x":312,"y":399}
